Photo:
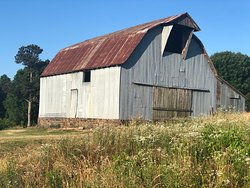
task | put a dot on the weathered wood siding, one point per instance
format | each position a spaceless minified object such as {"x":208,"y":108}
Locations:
{"x":147,"y":66}
{"x":228,"y":98}
{"x":96,"y":99}
{"x":169,"y":103}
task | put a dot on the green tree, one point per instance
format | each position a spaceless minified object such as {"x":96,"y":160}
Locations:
{"x":22,"y":101}
{"x":234,"y":68}
{"x":29,"y":57}
{"x":15,"y":103}
{"x":2,"y":98}
{"x":5,"y":84}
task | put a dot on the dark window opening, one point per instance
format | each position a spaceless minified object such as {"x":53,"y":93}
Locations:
{"x":177,"y":39}
{"x":235,"y":98}
{"x":87,"y":76}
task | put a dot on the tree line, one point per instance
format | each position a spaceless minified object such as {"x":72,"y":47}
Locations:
{"x":19,"y":98}
{"x":235,"y":69}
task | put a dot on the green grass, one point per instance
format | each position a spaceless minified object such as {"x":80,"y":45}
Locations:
{"x":203,"y":152}
{"x":19,"y":138}
{"x":20,"y":132}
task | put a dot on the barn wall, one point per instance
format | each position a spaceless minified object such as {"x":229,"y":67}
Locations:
{"x":147,"y":66}
{"x":229,"y":99}
{"x":96,"y":99}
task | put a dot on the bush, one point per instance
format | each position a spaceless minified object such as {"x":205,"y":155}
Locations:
{"x":5,"y":123}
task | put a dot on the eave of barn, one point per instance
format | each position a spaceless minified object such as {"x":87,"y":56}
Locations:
{"x":149,"y":67}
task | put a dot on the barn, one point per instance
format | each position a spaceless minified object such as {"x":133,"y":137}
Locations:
{"x":153,"y":71}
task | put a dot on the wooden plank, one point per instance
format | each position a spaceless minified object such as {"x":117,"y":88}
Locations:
{"x":168,"y":109}
{"x":169,"y":103}
{"x":174,"y":96}
{"x":190,"y":101}
{"x":185,"y":103}
{"x":185,"y":49}
{"x":180,"y":103}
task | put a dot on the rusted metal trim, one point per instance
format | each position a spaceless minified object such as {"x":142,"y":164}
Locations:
{"x":152,"y":85}
{"x":169,"y":109}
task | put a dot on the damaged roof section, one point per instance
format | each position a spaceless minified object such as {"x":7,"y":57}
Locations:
{"x":108,"y":50}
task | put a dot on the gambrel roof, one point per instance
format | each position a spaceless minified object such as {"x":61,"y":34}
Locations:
{"x":108,"y":50}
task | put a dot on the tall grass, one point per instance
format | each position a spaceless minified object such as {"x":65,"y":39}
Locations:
{"x":203,"y":152}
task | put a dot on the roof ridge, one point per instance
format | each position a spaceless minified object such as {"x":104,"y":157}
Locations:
{"x":122,"y":30}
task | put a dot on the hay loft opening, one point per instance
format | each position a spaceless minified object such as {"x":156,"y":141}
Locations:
{"x":178,"y":38}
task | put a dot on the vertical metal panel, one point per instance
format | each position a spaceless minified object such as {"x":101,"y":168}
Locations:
{"x":147,"y":65}
{"x":229,"y":99}
{"x":96,"y":99}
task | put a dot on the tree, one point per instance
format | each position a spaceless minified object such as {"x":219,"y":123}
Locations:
{"x":28,"y":89}
{"x":234,"y":68}
{"x":2,"y":98}
{"x":15,"y":103}
{"x":5,"y":84}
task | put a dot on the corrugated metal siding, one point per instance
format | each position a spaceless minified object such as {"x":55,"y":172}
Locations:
{"x":96,"y":99}
{"x":146,"y":65}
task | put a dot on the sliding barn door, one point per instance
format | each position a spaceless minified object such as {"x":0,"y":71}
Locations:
{"x":169,"y":103}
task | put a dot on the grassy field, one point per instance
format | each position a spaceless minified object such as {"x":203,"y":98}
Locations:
{"x":14,"y":140}
{"x":202,"y":152}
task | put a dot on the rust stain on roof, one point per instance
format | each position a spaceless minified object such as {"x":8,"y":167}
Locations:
{"x":104,"y":51}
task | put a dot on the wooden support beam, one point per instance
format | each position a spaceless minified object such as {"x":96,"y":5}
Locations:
{"x":168,"y":109}
{"x":152,"y":85}
{"x":185,"y":50}
{"x":235,"y":98}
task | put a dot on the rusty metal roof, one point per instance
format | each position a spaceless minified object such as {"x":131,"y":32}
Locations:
{"x":104,"y":51}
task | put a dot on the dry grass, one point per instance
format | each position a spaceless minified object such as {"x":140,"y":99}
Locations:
{"x":203,"y":152}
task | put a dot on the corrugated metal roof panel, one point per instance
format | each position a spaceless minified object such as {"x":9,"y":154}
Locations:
{"x":108,"y":50}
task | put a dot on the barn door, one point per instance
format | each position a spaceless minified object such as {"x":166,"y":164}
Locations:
{"x":73,"y":103}
{"x":169,"y":103}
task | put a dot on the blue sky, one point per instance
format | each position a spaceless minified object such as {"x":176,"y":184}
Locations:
{"x":55,"y":24}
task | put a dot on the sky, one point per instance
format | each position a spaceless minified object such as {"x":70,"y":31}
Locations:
{"x":56,"y":24}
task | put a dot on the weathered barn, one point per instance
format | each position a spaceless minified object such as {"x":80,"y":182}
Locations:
{"x":152,"y":71}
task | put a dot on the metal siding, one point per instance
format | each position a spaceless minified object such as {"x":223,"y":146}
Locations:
{"x":224,"y":101}
{"x":147,"y":65}
{"x":96,"y":99}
